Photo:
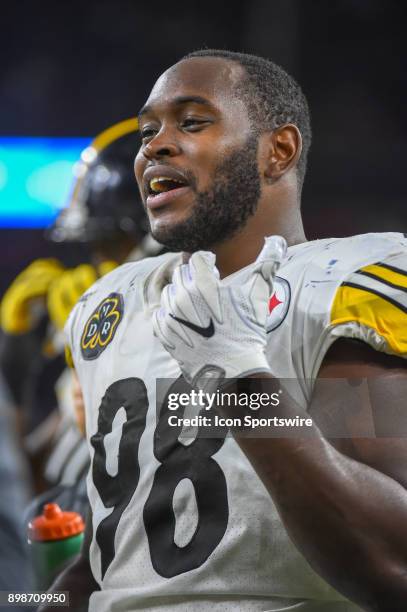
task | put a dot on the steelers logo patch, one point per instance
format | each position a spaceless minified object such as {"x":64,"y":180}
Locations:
{"x":101,"y":326}
{"x":279,"y":304}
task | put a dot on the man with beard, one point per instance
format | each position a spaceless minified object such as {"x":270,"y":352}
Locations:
{"x":186,"y":521}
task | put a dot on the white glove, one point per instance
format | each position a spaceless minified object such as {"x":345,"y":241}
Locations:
{"x":214,"y":329}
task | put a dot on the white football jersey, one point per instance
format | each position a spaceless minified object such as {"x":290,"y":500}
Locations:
{"x":189,"y":526}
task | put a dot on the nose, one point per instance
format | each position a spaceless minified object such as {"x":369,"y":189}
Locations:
{"x":162,"y":145}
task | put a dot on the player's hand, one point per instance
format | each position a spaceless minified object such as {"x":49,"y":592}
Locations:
{"x":213,"y":328}
{"x":66,"y":290}
{"x":26,"y":296}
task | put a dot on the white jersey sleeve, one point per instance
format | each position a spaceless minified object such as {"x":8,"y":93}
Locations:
{"x":371,"y":305}
{"x":354,"y":288}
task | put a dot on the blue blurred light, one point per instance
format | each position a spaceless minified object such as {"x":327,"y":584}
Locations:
{"x":36,"y":178}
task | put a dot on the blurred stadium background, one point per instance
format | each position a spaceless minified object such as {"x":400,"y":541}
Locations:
{"x":70,"y":69}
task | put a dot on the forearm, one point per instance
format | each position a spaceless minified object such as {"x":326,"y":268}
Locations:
{"x":347,"y":518}
{"x":321,"y":494}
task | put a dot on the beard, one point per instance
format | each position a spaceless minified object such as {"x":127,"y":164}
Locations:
{"x":221,"y":211}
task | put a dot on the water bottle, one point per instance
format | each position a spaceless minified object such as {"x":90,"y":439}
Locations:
{"x":55,"y":538}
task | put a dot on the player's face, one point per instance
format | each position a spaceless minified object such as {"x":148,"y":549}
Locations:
{"x":197,"y":167}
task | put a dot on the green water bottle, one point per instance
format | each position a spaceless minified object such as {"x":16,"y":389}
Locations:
{"x":55,"y":538}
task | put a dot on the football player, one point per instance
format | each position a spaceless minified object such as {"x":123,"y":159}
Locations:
{"x":310,"y":521}
{"x":105,"y":215}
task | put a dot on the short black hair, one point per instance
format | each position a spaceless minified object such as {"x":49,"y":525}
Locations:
{"x":271,"y":95}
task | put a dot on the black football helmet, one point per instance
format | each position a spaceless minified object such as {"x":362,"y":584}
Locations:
{"x":105,"y":201}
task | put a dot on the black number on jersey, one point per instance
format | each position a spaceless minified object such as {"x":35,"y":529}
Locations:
{"x":178,"y":462}
{"x":116,"y":491}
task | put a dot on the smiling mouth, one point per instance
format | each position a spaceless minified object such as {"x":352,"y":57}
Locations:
{"x":163,"y":184}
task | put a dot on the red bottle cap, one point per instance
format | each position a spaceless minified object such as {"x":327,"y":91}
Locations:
{"x":54,"y":524}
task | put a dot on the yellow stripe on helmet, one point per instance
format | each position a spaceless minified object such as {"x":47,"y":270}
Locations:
{"x":112,"y":133}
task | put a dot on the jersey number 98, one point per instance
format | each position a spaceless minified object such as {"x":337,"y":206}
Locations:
{"x":177,"y":462}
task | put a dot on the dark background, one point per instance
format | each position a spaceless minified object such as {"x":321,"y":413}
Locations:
{"x":73,"y":68}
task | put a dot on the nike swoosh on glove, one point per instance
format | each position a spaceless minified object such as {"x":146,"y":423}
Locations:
{"x":214,"y":329}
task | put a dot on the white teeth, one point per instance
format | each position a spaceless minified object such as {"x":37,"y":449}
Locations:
{"x":157,"y":184}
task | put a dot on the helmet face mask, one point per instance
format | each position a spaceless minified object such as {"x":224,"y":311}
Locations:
{"x":105,"y":202}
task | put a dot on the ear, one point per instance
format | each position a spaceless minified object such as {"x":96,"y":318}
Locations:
{"x":283,"y":151}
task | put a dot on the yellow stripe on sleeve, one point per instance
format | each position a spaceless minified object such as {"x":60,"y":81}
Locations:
{"x":382,"y":273}
{"x":373,"y":311}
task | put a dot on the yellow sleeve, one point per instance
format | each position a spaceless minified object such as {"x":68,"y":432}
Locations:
{"x":372,"y":305}
{"x":24,"y":301}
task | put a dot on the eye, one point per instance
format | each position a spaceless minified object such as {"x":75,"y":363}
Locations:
{"x":194,"y":125}
{"x":147,"y":133}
